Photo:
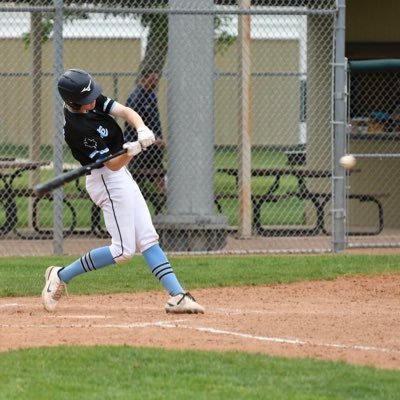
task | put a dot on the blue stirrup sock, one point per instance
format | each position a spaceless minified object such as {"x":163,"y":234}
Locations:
{"x":161,"y":269}
{"x":95,"y":259}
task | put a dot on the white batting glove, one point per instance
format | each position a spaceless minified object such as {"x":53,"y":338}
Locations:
{"x":134,"y":148}
{"x":145,"y":136}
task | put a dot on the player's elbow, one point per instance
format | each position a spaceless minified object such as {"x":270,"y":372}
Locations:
{"x":112,"y":167}
{"x":115,"y":164}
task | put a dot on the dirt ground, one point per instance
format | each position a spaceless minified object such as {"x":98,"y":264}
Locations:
{"x":351,"y":319}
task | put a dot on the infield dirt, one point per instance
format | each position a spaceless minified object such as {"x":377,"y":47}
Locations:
{"x":350,"y":319}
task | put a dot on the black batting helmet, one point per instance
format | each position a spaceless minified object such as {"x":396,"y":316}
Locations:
{"x":78,"y":87}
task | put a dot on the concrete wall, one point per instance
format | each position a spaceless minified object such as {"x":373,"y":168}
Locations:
{"x":276,"y":100}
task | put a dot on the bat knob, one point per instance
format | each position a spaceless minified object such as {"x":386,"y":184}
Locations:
{"x":40,"y":190}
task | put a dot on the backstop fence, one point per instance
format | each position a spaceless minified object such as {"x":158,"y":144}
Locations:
{"x":252,"y":106}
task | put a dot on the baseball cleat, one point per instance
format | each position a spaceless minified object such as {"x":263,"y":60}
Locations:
{"x":53,"y":289}
{"x":183,"y":303}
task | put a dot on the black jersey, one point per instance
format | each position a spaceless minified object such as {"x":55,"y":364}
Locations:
{"x":93,"y":135}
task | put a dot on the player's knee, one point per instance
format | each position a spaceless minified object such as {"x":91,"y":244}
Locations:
{"x":123,"y":257}
{"x":143,"y":245}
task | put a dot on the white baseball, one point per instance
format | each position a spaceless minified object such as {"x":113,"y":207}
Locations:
{"x":347,"y":161}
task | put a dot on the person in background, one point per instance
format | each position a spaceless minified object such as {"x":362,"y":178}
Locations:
{"x":92,"y":133}
{"x":143,"y":100}
{"x":395,"y":118}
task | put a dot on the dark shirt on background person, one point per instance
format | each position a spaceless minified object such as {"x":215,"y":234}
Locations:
{"x":143,"y":100}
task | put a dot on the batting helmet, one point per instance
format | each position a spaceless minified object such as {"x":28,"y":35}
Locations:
{"x":78,"y":87}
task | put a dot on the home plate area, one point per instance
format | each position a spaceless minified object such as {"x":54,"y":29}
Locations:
{"x":354,"y":319}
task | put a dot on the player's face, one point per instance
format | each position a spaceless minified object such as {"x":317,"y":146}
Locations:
{"x":88,"y":107}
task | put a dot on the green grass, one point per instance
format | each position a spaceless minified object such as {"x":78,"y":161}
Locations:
{"x":228,"y":157}
{"x":122,"y":372}
{"x":19,"y":151}
{"x":23,"y":276}
{"x":128,"y":373}
{"x":284,"y":214}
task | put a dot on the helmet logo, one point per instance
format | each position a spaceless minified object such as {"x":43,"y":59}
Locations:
{"x":87,"y":88}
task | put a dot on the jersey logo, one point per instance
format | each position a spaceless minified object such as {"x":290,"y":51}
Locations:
{"x":91,"y":143}
{"x":103,"y":131}
{"x":87,"y":88}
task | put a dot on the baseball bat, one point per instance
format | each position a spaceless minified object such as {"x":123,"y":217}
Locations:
{"x":59,"y":180}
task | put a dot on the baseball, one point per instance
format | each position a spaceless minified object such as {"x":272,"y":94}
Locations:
{"x":347,"y":161}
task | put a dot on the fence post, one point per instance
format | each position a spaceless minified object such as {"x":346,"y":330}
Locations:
{"x":36,"y":100}
{"x":245,"y":121}
{"x":58,"y":67}
{"x":339,"y":133}
{"x":191,"y":223}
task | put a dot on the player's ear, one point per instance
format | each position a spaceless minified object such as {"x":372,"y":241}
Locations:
{"x":74,"y":106}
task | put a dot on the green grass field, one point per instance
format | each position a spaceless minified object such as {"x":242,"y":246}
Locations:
{"x":121,"y":372}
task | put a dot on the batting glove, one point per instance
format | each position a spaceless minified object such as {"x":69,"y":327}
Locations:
{"x":145,"y":136}
{"x":134,"y":148}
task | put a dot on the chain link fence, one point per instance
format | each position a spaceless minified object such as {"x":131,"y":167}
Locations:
{"x":249,"y":115}
{"x":374,"y":116}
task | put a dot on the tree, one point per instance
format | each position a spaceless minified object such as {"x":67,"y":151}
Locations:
{"x":157,"y":24}
{"x":157,"y":42}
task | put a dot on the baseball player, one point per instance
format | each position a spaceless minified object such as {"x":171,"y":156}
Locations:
{"x":92,"y":133}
